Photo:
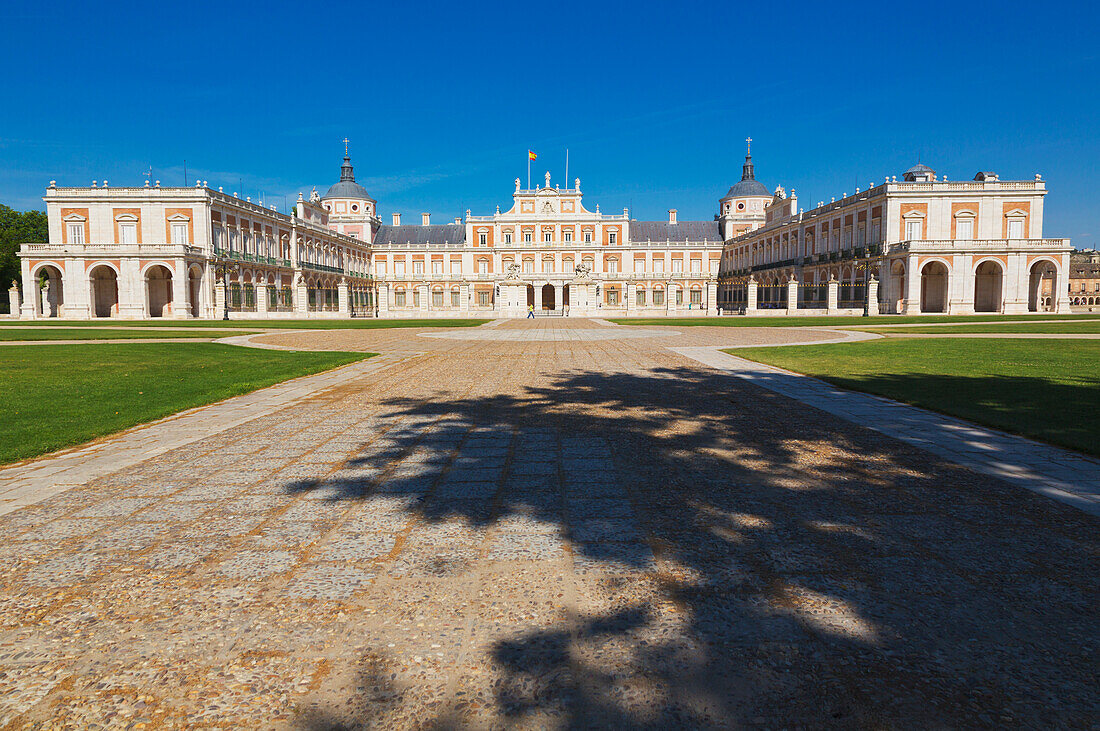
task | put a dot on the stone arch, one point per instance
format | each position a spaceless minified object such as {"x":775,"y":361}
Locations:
{"x":194,"y":289}
{"x":50,"y":288}
{"x":548,"y":298}
{"x":158,"y":290}
{"x":103,"y":284}
{"x":933,"y":286}
{"x":1040,"y":270}
{"x":988,"y":285}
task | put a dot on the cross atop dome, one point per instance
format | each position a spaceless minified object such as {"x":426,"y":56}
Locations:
{"x":345,"y":147}
{"x":748,"y":146}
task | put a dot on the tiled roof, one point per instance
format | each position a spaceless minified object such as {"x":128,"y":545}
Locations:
{"x":682,"y":231}
{"x":436,"y":233}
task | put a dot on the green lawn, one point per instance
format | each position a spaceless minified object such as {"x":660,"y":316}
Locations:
{"x":83,"y":333}
{"x":994,"y":327}
{"x":366,"y":323}
{"x":811,"y":321}
{"x":64,"y":395}
{"x":1048,"y":389}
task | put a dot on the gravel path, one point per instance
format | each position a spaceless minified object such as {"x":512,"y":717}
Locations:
{"x":545,"y":533}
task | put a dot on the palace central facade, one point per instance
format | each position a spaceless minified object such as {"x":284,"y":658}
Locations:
{"x":920,"y":244}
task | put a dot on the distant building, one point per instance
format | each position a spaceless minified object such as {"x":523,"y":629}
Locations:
{"x":922,"y":244}
{"x":1084,"y":280}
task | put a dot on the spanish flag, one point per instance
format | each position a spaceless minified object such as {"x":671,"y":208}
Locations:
{"x":531,"y":155}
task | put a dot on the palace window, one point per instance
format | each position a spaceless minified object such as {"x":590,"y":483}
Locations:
{"x":658,"y":297}
{"x":964,"y":229}
{"x":399,"y":298}
{"x":483,"y":239}
{"x":696,"y":297}
{"x":547,"y":236}
{"x":456,"y":268}
{"x":677,"y":266}
{"x":547,"y":266}
{"x":612,"y":266}
{"x":416,"y":298}
{"x":437,"y":267}
{"x":508,"y":237}
{"x":528,"y":266}
{"x":658,"y":268}
{"x":456,"y":300}
{"x":612,"y":237}
{"x":526,"y":237}
{"x":639,"y":297}
{"x":567,"y":237}
{"x":696,"y":266}
{"x":876,"y":231}
{"x":76,"y":232}
{"x":679,"y":296}
{"x":482,"y":266}
{"x":613,"y":297}
{"x":437,"y":299}
{"x":588,"y":237}
{"x":418,"y":267}
{"x":912,"y":230}
{"x":483,"y":299}
{"x":127,"y":233}
{"x":1015,"y":228}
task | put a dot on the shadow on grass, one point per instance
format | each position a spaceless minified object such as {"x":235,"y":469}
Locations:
{"x":738,"y":559}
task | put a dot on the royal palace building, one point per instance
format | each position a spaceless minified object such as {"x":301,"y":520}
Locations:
{"x":921,"y":244}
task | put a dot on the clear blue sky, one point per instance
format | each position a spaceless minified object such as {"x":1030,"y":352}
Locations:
{"x":442,"y":101}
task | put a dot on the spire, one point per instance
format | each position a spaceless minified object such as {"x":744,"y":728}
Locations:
{"x":346,"y":173}
{"x":746,"y":171}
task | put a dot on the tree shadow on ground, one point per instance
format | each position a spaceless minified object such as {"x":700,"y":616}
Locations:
{"x":737,"y":558}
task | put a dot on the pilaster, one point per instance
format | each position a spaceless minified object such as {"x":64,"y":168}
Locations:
{"x":262,"y":299}
{"x":750,"y":296}
{"x":792,"y":295}
{"x":832,"y":295}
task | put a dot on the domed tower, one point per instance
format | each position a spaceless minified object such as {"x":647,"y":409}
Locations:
{"x":742,"y":207}
{"x":350,"y":208}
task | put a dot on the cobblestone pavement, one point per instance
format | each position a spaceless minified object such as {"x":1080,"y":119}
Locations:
{"x":544,"y":534}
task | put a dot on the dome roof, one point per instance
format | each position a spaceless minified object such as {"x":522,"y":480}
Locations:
{"x":744,"y":188}
{"x":919,"y":168}
{"x":347,"y":187}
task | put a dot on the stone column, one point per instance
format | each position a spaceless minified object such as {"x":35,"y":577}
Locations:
{"x":832,"y":296}
{"x":750,"y":296}
{"x":14,"y":300}
{"x":28,"y":310}
{"x":219,"y":298}
{"x":181,"y":293}
{"x":792,"y":295}
{"x":261,"y":299}
{"x":342,"y":303}
{"x":301,"y":297}
{"x":424,"y":294}
{"x":872,"y":296}
{"x":382,"y":299}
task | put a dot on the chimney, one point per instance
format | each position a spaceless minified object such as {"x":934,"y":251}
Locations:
{"x":458,"y":220}
{"x":672,"y":215}
{"x":397,"y":219}
{"x":425,"y":219}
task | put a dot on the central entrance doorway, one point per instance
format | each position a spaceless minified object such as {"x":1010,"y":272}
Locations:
{"x":548,"y":297}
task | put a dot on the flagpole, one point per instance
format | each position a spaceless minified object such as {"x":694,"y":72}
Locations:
{"x":528,"y":170}
{"x":566,"y":167}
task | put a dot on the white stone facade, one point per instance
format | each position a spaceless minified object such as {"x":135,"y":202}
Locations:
{"x":916,"y":245}
{"x":926,"y":244}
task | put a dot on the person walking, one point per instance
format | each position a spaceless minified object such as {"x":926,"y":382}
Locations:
{"x":530,"y":311}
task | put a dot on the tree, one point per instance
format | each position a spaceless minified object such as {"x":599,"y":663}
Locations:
{"x":17,"y":228}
